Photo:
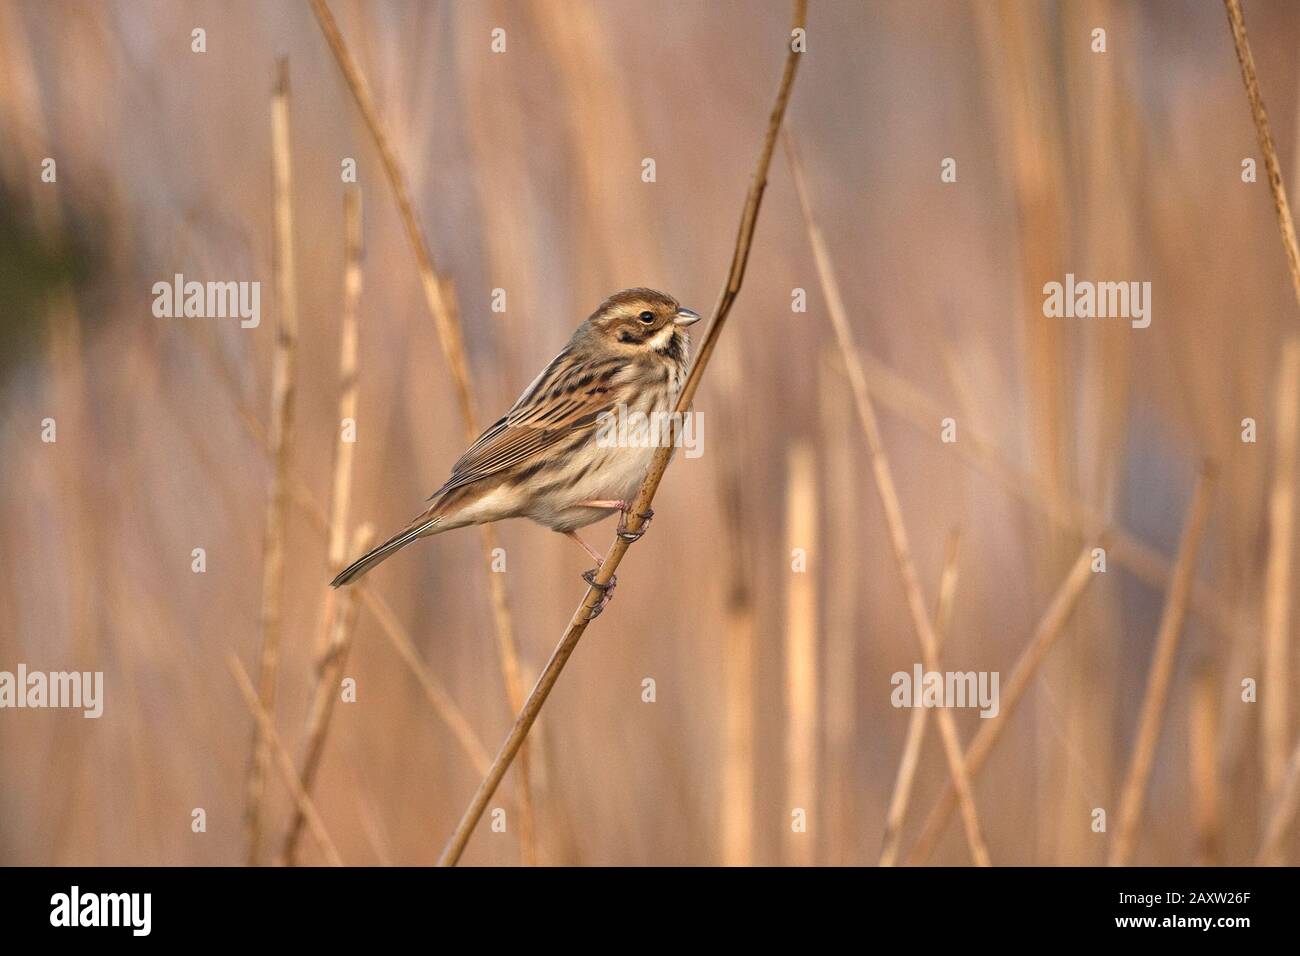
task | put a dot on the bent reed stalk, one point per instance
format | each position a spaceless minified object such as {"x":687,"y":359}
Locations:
{"x":659,"y":464}
{"x":441,"y":304}
{"x":281,"y":450}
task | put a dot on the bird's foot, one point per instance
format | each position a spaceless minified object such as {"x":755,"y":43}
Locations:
{"x":606,"y":590}
{"x":630,"y":536}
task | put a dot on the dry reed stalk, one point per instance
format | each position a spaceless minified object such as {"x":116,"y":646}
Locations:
{"x":1035,"y":156}
{"x":496,"y":127}
{"x":736,"y":805}
{"x":1106,"y":226}
{"x":582,"y":616}
{"x":842,"y":577}
{"x":1282,"y":501}
{"x":1285,"y":225}
{"x":442,"y":310}
{"x":601,"y":123}
{"x":280,"y":441}
{"x":438,"y":697}
{"x":285,"y":765}
{"x":1277,"y":589}
{"x":1070,"y":515}
{"x":328,"y":675}
{"x":888,"y":494}
{"x":1108,"y":220}
{"x":449,"y":331}
{"x":1163,"y":657}
{"x":344,"y":451}
{"x":1203,"y":766}
{"x":916,"y":723}
{"x":507,"y":653}
{"x":372,"y":827}
{"x":340,"y":609}
{"x":361,"y":784}
{"x":1030,"y":108}
{"x":801,"y":692}
{"x":444,"y":705}
{"x":1031,"y":658}
{"x":1284,"y":810}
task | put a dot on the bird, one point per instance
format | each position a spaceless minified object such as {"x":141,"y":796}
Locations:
{"x":544,"y":459}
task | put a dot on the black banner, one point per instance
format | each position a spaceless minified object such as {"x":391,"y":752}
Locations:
{"x":930,"y":905}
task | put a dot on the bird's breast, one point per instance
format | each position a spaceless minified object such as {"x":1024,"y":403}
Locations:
{"x":612,"y":464}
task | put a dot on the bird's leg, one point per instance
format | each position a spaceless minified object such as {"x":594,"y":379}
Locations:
{"x":599,"y":558}
{"x":626,"y":508}
{"x":590,"y":576}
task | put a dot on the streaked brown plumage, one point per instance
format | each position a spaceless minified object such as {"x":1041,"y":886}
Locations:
{"x":541,"y":460}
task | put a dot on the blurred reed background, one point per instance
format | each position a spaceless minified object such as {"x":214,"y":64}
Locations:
{"x":772,"y":688}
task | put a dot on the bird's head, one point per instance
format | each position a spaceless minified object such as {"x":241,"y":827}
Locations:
{"x":641,"y":320}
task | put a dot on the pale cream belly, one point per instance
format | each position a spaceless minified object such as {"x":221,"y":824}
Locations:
{"x":614,"y":474}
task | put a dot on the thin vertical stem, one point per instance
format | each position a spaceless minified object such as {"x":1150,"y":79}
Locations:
{"x":1284,"y":810}
{"x":885,"y":488}
{"x":442,"y":309}
{"x":326,"y":692}
{"x":1049,"y":628}
{"x":842,"y":575}
{"x":284,"y":763}
{"x":1285,"y":225}
{"x":1151,"y":720}
{"x":659,"y":463}
{"x":443,"y":704}
{"x":1276,"y":690}
{"x":801,"y":696}
{"x":1276,"y":697}
{"x":736,"y":804}
{"x":916,"y":723}
{"x":281,"y":447}
{"x":340,"y":608}
{"x":344,"y":445}
{"x":1203,"y":766}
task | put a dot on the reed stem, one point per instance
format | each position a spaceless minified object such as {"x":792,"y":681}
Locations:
{"x":582,"y":616}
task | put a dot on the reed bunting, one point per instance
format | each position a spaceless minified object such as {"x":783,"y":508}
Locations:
{"x":542,"y":460}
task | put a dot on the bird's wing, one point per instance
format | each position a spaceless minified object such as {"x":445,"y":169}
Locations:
{"x":566,"y":399}
{"x":570,"y":389}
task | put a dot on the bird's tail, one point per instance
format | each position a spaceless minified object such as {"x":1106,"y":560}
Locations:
{"x":418,"y":528}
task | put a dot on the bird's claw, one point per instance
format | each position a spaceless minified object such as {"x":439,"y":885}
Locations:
{"x":630,"y":536}
{"x":606,"y":591}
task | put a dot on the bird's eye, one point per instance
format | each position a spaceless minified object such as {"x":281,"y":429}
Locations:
{"x":647,"y":317}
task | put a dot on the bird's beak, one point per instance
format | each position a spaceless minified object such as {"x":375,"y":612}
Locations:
{"x":686,"y":317}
